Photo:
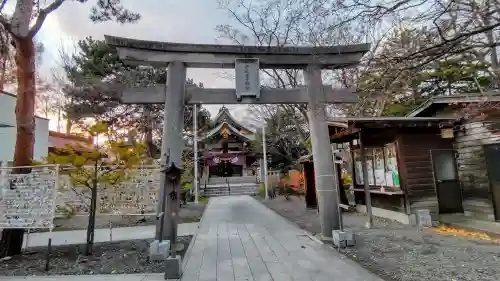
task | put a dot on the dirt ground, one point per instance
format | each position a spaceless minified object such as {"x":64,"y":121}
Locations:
{"x":398,"y":252}
{"x":122,"y":257}
{"x":189,"y":213}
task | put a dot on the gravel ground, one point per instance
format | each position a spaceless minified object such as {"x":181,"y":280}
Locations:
{"x":189,"y":213}
{"x":108,"y":258}
{"x":398,"y":252}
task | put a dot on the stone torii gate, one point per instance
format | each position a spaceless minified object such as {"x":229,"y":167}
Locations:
{"x":247,"y":60}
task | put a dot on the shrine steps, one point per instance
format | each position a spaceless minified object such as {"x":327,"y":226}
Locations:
{"x":233,"y":186}
{"x":230,"y":180}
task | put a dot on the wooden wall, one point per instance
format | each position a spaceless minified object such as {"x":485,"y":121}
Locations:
{"x":477,"y":200}
{"x":378,"y":137}
{"x":383,"y":201}
{"x":415,"y":164}
{"x":471,"y":162}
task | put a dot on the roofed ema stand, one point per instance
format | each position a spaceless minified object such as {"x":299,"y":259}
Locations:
{"x":247,"y":60}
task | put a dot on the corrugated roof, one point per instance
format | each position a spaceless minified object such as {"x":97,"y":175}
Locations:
{"x":462,"y":98}
{"x":335,"y":121}
{"x":396,"y":121}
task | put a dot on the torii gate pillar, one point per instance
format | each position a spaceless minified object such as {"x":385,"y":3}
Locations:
{"x":324,"y":170}
{"x":171,"y":151}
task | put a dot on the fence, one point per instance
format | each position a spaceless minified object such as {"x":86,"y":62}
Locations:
{"x":28,"y":200}
{"x":32,"y":200}
{"x":275,"y":175}
{"x":135,"y":195}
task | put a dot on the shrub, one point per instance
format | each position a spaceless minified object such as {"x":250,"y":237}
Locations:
{"x":285,"y":189}
{"x":262,"y":190}
{"x":186,"y":194}
{"x":66,"y":211}
{"x":301,"y":190}
{"x":203,"y":199}
{"x":346,"y":177}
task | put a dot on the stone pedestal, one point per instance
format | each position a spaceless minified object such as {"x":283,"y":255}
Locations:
{"x":173,"y":268}
{"x":421,"y":218}
{"x":159,"y":251}
{"x":343,"y":238}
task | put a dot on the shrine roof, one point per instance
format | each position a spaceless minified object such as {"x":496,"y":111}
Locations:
{"x":225,"y":116}
{"x":232,"y":129}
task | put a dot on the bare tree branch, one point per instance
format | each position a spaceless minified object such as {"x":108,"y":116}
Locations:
{"x":42,"y":15}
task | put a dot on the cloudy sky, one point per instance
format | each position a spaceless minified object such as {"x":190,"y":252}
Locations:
{"x":183,"y":21}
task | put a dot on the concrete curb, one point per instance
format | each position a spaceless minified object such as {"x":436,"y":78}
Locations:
{"x":315,"y":239}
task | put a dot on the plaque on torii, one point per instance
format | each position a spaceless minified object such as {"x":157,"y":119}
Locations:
{"x":246,"y":60}
{"x":247,"y":79}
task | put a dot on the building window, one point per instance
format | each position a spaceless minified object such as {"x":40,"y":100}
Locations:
{"x":381,"y":163}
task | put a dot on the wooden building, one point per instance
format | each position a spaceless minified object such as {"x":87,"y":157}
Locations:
{"x":410,"y":164}
{"x":226,"y":148}
{"x":477,"y":145}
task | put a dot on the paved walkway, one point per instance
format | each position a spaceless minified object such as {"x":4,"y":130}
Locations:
{"x":102,"y":235}
{"x":242,"y":240}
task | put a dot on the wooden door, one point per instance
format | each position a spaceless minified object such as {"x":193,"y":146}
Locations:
{"x":310,"y":186}
{"x":448,"y":188}
{"x":492,"y":154}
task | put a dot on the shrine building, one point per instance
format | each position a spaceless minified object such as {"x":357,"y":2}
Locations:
{"x":226,"y":148}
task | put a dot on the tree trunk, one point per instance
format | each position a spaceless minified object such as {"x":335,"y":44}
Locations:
{"x":3,"y":74}
{"x":59,"y":118}
{"x":12,"y":239}
{"x":68,"y":126}
{"x":149,"y":132}
{"x":92,"y":211}
{"x":490,"y":37}
{"x":91,"y":223}
{"x":25,"y":106}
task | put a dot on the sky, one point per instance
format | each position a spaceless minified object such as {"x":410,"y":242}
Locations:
{"x":186,"y":21}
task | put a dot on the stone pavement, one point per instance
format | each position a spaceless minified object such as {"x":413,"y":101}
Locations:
{"x":242,"y":240}
{"x":102,"y":235}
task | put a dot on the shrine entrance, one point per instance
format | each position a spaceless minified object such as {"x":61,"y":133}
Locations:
{"x":247,"y":62}
{"x":225,"y":169}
